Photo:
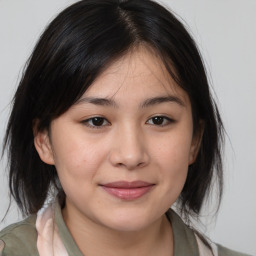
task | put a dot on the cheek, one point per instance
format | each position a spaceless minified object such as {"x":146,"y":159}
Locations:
{"x":173,"y":175}
{"x":173,"y":150}
{"x":77,"y":159}
{"x":172,"y":159}
{"x":77,"y":168}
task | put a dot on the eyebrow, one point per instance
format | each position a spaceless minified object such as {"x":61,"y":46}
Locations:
{"x":162,"y":99}
{"x":147,"y":103}
{"x":98,"y":101}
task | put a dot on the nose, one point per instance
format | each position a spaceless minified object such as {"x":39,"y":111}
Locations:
{"x":129,"y":149}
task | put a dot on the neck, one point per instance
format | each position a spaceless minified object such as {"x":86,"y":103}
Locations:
{"x":94,"y":239}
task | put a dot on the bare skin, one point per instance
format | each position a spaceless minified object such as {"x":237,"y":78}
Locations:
{"x":151,"y":241}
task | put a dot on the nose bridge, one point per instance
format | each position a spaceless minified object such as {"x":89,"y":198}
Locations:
{"x":129,"y":148}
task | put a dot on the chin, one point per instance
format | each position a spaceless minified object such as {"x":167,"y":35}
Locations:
{"x":128,"y":221}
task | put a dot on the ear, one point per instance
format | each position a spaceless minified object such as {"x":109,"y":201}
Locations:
{"x":43,"y":146}
{"x":196,"y":142}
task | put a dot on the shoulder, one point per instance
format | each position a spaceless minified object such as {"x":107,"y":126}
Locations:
{"x":223,"y":251}
{"x":183,"y":234}
{"x":19,"y":239}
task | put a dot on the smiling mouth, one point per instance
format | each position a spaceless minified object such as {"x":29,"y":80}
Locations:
{"x":128,"y":190}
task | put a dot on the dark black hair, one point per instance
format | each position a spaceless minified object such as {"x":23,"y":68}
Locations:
{"x":74,"y":50}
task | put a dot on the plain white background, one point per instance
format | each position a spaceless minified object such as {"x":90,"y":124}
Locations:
{"x":225,"y":31}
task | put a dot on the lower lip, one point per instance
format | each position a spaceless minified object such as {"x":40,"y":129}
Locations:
{"x":128,"y":193}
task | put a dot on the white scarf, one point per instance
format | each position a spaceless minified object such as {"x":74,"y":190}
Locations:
{"x":48,"y":241}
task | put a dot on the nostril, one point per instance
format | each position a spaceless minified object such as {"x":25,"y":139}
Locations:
{"x":138,"y":165}
{"x":141,"y":164}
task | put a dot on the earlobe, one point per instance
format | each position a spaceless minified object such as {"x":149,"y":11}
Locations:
{"x":196,"y":143}
{"x":43,"y":147}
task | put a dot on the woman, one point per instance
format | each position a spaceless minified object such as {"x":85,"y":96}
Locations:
{"x":112,"y":123}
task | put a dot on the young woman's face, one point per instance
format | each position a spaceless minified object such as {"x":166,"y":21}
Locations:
{"x":122,"y":151}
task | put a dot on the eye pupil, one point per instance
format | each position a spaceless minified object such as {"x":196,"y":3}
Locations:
{"x":158,"y":120}
{"x":97,"y":121}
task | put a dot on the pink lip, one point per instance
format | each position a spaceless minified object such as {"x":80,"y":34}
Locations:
{"x":128,"y":190}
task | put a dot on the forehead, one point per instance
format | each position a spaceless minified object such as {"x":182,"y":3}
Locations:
{"x":138,"y":73}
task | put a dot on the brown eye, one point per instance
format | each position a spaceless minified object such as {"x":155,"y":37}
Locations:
{"x":160,"y":120}
{"x":96,"y":122}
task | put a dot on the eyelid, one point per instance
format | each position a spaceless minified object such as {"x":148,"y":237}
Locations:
{"x":169,"y":120}
{"x":105,"y":122}
{"x":166,"y":121}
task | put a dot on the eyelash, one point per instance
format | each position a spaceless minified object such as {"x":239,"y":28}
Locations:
{"x":165,"y":119}
{"x":105,"y":122}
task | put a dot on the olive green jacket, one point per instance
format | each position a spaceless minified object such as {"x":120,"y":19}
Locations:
{"x":20,"y":239}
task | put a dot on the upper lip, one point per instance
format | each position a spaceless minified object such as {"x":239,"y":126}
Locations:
{"x":127,"y":184}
